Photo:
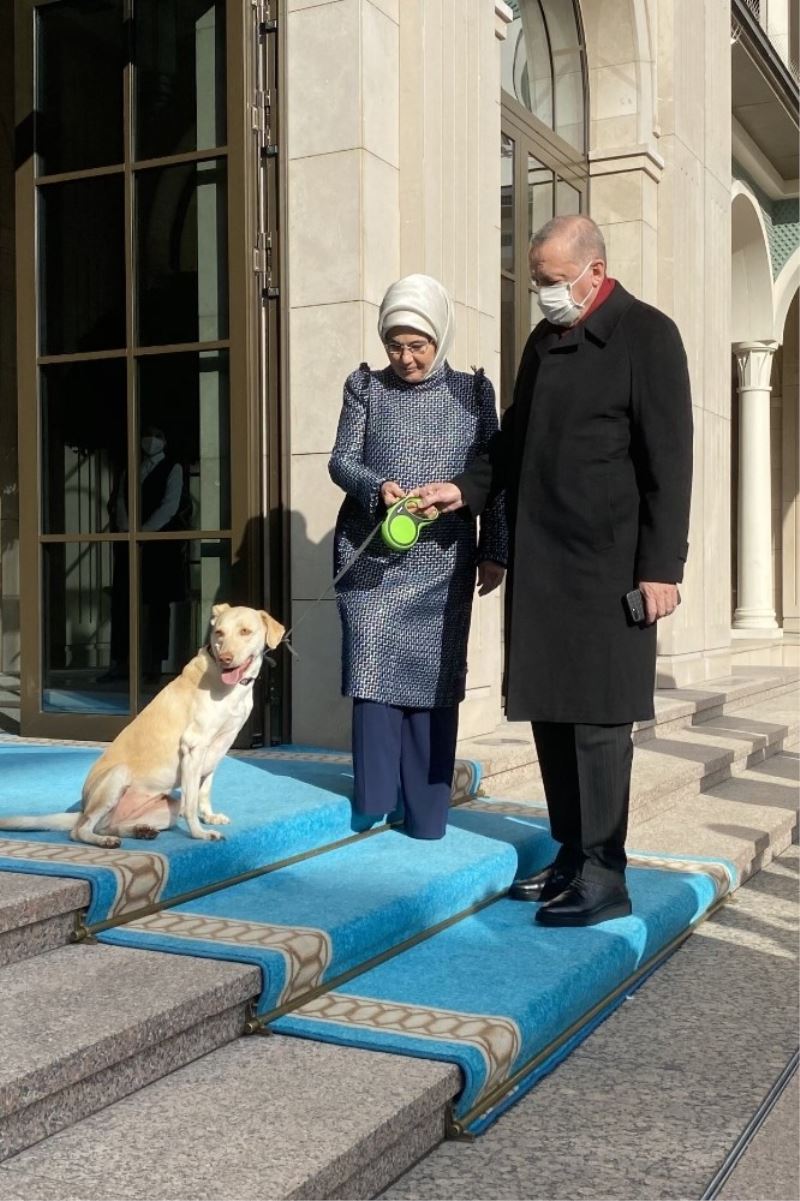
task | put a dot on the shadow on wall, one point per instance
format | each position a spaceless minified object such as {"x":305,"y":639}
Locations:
{"x":320,"y":714}
{"x":310,"y":682}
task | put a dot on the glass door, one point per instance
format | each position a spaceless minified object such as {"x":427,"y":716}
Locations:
{"x":138,"y":314}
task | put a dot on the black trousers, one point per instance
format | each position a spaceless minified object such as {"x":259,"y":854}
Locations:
{"x":586,"y":770}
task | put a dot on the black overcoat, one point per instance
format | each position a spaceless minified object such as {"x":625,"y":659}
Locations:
{"x":595,"y":453}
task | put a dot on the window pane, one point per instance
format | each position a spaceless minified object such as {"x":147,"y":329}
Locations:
{"x":540,"y":195}
{"x":562,"y":28}
{"x":180,"y":581}
{"x":568,"y":199}
{"x":526,"y":68}
{"x":83,"y":627}
{"x":506,"y":203}
{"x":84,"y":444}
{"x":180,"y":76}
{"x":183,"y":403}
{"x":79,"y":56}
{"x":182,"y":253}
{"x":82,"y":265}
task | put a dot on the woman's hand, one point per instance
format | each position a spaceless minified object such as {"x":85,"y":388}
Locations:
{"x":490,"y":576}
{"x":390,"y":492}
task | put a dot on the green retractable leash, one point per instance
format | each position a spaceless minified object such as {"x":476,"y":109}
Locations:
{"x":400,"y":530}
{"x":403,"y":523}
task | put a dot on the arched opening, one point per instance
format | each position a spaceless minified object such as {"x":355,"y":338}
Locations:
{"x":756,"y":435}
{"x":751,"y":275}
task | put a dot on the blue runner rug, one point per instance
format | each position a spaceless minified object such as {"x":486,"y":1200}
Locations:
{"x":282,"y":802}
{"x":384,"y":942}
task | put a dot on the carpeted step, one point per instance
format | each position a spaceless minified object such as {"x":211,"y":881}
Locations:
{"x":282,"y":803}
{"x":276,"y":1117}
{"x":309,"y":923}
{"x":505,"y":998}
{"x":84,"y":1026}
{"x":37,"y":913}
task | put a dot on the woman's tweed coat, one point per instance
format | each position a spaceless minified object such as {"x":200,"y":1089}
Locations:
{"x":405,"y":615}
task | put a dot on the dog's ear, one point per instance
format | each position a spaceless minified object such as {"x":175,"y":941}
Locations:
{"x":275,"y":630}
{"x":217,"y":611}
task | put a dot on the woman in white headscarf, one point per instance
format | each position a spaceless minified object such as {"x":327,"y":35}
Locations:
{"x":405,"y":615}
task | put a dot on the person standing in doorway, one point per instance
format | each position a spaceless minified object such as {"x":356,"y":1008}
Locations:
{"x":163,"y":505}
{"x":595,"y":454}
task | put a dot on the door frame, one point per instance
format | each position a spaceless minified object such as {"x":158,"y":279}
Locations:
{"x":258,"y":444}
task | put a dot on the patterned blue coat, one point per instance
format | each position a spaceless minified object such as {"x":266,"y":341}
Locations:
{"x":405,"y":615}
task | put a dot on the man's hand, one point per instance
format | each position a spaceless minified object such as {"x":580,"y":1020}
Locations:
{"x":660,"y":600}
{"x":444,"y":497}
{"x":390,"y":492}
{"x":490,"y":576}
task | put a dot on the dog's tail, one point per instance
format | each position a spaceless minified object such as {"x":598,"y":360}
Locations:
{"x":41,"y":821}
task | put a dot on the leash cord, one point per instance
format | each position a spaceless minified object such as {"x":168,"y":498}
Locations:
{"x":356,"y":555}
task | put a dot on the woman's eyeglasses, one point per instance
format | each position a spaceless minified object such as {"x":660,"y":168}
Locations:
{"x":396,"y":349}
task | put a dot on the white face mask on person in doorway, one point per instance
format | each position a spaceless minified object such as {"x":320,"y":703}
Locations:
{"x":152,"y":446}
{"x":557,"y":302}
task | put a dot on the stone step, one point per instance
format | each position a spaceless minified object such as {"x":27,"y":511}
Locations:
{"x":750,"y":818}
{"x":672,"y":757}
{"x":85,"y":1025}
{"x":37,"y":913}
{"x":263,"y":1117}
{"x":285,"y":1118}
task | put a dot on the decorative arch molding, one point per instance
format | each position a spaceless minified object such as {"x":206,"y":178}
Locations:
{"x":751,"y":269}
{"x":785,"y":289}
{"x":622,"y":74}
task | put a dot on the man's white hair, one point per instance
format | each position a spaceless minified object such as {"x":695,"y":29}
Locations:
{"x":583,"y":234}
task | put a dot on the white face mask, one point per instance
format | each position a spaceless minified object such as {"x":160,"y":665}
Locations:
{"x":558,"y":304}
{"x":152,"y":446}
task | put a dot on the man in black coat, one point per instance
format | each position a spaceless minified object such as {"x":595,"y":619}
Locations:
{"x":595,"y":455}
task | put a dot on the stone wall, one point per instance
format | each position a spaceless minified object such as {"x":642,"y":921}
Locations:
{"x":393,"y":131}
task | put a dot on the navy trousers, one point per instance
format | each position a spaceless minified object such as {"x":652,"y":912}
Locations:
{"x":407,"y":756}
{"x":586,"y":772}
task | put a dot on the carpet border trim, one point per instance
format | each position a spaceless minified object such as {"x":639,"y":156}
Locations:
{"x":458,"y":1128}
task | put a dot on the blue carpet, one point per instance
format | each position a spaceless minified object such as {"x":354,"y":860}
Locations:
{"x":328,"y":915}
{"x":495,"y":990}
{"x":281,"y":802}
{"x":490,"y":991}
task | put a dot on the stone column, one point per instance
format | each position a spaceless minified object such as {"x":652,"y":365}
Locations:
{"x":755,"y":612}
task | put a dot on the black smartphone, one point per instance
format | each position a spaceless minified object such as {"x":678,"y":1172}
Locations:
{"x":634,"y":606}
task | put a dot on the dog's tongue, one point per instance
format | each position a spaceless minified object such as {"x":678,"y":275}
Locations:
{"x":234,"y":674}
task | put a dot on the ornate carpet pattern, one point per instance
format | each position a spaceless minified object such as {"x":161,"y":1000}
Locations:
{"x":372,"y":940}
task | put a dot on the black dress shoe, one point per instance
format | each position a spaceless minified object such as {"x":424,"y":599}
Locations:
{"x":585,"y":903}
{"x":545,"y":885}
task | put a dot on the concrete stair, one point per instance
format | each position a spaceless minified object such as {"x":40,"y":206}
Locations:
{"x":123,"y":1073}
{"x":673,"y":757}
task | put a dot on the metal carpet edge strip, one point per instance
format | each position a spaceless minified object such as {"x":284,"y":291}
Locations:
{"x":83,"y":932}
{"x":457,"y":1128}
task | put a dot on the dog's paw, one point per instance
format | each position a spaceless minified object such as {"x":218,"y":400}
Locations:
{"x":207,"y":835}
{"x":110,"y":841}
{"x":144,"y":832}
{"x":215,"y":819}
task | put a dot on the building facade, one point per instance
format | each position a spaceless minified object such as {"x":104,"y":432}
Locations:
{"x":201,"y":205}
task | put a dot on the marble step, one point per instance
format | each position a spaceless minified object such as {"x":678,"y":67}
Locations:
{"x":681,"y":760}
{"x":86,"y":1025}
{"x":510,"y":746}
{"x":37,"y":913}
{"x":285,"y":1118}
{"x":262,"y":1117}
